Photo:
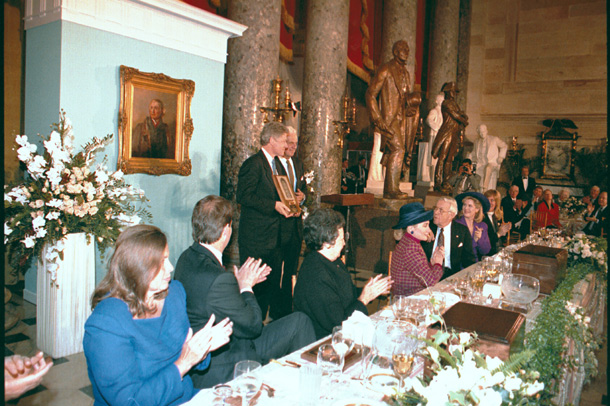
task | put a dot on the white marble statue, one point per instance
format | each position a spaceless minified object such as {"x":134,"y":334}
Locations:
{"x":376,"y":170}
{"x":426,"y":164}
{"x":488,"y":153}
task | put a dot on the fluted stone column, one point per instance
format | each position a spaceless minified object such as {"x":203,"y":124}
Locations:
{"x":252,"y":64}
{"x":324,"y":78}
{"x":463,"y":53}
{"x":443,"y":47}
{"x":399,"y":23}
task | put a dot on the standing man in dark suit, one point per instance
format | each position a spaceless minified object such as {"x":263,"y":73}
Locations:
{"x":293,"y":227}
{"x":262,"y":212}
{"x":361,"y":174}
{"x":525,"y":183}
{"x":210,"y":289}
{"x":454,"y":236}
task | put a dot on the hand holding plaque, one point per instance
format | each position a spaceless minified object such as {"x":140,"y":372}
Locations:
{"x":287,"y":196}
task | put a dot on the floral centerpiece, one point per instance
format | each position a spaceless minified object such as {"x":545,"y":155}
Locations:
{"x":572,"y":206}
{"x":584,"y":248}
{"x":63,"y":194}
{"x":309,"y":196}
{"x":463,"y":376}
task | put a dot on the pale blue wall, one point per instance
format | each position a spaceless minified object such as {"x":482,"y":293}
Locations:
{"x":87,"y":81}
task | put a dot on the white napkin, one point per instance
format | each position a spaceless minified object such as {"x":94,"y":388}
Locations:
{"x":359,"y":327}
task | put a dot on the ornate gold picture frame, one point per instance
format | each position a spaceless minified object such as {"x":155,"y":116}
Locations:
{"x":558,"y":156}
{"x":287,"y":196}
{"x":155,"y":124}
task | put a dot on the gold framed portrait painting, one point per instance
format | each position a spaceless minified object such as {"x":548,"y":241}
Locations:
{"x":155,"y":124}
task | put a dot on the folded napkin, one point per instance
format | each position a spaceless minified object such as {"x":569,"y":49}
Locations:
{"x":359,"y":327}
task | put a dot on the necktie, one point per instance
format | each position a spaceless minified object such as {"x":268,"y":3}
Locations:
{"x":441,"y":239}
{"x":274,"y":167}
{"x":290,"y":173}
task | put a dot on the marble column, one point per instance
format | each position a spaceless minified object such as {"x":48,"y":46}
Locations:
{"x":324,"y":80}
{"x":463,"y":52}
{"x":443,"y":47}
{"x":399,"y":23}
{"x":252,"y":64}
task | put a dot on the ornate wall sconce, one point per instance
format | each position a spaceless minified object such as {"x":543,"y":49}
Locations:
{"x":342,"y":127}
{"x":278,"y":112}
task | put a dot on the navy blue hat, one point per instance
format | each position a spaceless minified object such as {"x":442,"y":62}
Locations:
{"x":479,"y":196}
{"x":413,"y":213}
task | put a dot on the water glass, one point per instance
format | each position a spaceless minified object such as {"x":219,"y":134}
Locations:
{"x":221,"y":393}
{"x":341,"y":343}
{"x":400,"y":306}
{"x":310,"y":381}
{"x":462,"y":287}
{"x":329,"y":360}
{"x":246,"y":379}
{"x":478,"y":277}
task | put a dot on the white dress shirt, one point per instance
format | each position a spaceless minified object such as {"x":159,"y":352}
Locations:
{"x":447,"y":235}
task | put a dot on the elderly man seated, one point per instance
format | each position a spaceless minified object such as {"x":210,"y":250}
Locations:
{"x":212,"y":290}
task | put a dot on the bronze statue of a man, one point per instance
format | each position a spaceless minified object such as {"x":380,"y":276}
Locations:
{"x":395,"y":116}
{"x":447,"y":141}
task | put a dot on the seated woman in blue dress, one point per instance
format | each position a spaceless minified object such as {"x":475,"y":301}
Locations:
{"x":138,"y":342}
{"x":472,"y":206}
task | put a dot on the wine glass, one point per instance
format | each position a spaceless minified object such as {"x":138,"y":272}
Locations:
{"x":462,"y":287}
{"x":477,"y":281}
{"x":404,"y":338}
{"x":246,"y":379}
{"x":341,"y":343}
{"x":400,"y":305}
{"x":221,"y":393}
{"x":329,"y":360}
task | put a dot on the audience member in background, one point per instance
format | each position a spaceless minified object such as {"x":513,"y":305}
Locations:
{"x":410,"y":269}
{"x":138,"y":342}
{"x":564,"y":194}
{"x":452,"y":235}
{"x":597,"y":219}
{"x":324,"y":289}
{"x":473,"y":206}
{"x":213,"y":290}
{"x":536,"y":197}
{"x":494,"y":218}
{"x":360,"y":174}
{"x":526,"y":183}
{"x":551,"y":209}
{"x":592,"y":197}
{"x":347,"y":179}
{"x":22,"y":374}
{"x":465,"y":180}
{"x":515,"y":210}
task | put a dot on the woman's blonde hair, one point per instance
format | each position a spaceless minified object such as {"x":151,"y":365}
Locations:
{"x":478,"y":217}
{"x":498,"y":212}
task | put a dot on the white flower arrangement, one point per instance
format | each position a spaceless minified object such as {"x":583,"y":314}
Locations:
{"x":309,"y":199}
{"x":62,"y":195}
{"x":589,"y":249}
{"x":572,"y":206}
{"x":463,"y":376}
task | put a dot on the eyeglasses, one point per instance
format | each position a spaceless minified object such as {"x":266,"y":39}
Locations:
{"x":442,"y":211}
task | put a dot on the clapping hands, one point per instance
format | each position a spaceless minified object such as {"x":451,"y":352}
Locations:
{"x":252,"y":271}
{"x":375,"y":286}
{"x":22,"y":374}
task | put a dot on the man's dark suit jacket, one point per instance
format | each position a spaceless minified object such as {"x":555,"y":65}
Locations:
{"x":531,"y":185}
{"x":359,"y":186}
{"x":259,"y":224}
{"x":461,"y":255}
{"x":492,"y":232}
{"x":510,"y":214}
{"x":293,"y":223}
{"x":595,"y":228}
{"x":210,"y":289}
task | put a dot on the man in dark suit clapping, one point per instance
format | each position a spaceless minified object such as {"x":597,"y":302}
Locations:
{"x":210,"y":289}
{"x":262,"y":229}
{"x":454,"y":236}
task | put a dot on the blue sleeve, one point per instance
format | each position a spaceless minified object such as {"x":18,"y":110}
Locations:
{"x":203,"y":365}
{"x":113,"y":366}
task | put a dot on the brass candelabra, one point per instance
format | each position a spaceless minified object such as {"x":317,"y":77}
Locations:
{"x":278,"y":112}
{"x":342,"y":127}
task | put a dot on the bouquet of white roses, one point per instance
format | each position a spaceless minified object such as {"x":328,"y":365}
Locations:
{"x":309,"y":198}
{"x":62,"y":194}
{"x":463,"y":376}
{"x":572,"y":206}
{"x":583,"y":248}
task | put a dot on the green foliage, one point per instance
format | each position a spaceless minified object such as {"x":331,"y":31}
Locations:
{"x":593,"y":165}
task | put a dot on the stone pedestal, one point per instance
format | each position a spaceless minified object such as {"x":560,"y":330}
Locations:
{"x":376,"y":188}
{"x":64,"y":304}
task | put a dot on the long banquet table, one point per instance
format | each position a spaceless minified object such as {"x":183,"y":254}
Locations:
{"x":284,"y":378}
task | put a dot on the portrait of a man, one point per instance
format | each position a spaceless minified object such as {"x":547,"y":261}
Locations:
{"x":152,"y":137}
